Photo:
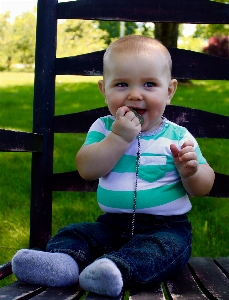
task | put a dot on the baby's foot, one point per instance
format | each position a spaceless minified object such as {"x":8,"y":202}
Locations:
{"x":102,"y":277}
{"x":45,"y":268}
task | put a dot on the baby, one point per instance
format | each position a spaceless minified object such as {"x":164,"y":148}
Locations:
{"x":147,"y":166}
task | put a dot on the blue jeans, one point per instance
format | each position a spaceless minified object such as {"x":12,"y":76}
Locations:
{"x":159,"y":249}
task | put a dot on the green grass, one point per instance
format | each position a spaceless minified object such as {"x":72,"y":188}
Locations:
{"x":209,"y":215}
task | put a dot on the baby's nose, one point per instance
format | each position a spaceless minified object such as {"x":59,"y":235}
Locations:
{"x":135,"y":94}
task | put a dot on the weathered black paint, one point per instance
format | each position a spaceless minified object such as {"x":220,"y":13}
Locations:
{"x":186,"y":65}
{"x":44,"y":105}
{"x":200,"y":123}
{"x":16,"y":141}
{"x":189,"y":11}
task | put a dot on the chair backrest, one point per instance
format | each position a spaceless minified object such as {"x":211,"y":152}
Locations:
{"x":186,"y":65}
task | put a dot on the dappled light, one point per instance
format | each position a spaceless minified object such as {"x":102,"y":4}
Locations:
{"x":204,"y":95}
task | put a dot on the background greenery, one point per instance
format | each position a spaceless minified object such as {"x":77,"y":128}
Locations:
{"x":209,"y":215}
{"x":17,"y":38}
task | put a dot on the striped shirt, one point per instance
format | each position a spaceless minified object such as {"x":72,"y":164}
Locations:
{"x":160,"y":190}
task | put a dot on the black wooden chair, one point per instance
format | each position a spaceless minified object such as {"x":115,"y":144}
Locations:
{"x":203,"y":277}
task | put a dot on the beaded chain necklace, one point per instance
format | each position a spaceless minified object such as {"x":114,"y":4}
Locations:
{"x":136,"y":182}
{"x":154,"y":132}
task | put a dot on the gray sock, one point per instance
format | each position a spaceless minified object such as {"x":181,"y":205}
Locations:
{"x":45,"y":268}
{"x":102,"y":277}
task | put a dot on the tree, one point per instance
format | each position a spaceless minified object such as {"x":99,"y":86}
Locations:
{"x":146,"y":28}
{"x":113,"y":29}
{"x":167,"y":33}
{"x":5,"y":41}
{"x":17,"y":40}
{"x":24,"y":35}
{"x":207,"y":30}
{"x":191,"y":43}
{"x":79,"y":37}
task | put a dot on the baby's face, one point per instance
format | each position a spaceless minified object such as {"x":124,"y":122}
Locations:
{"x":140,"y":81}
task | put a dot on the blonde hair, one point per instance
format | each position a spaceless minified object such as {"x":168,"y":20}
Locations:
{"x":136,"y":44}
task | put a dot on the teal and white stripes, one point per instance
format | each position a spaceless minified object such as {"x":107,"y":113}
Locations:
{"x":160,"y":190}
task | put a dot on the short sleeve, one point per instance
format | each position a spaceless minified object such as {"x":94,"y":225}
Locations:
{"x":96,"y":133}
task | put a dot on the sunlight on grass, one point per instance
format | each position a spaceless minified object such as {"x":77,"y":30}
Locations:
{"x":80,"y":96}
{"x":15,"y":78}
{"x":76,"y":79}
{"x":209,"y":95}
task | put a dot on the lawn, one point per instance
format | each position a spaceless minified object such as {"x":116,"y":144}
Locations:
{"x":209,"y":215}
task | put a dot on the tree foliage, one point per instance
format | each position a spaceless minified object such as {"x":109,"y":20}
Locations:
{"x":17,"y":39}
{"x":24,"y":34}
{"x":167,"y":33}
{"x":5,"y":41}
{"x":113,"y":29}
{"x":79,"y":37}
{"x":146,"y":28}
{"x":190,"y":43}
{"x":221,"y":1}
{"x":207,"y":30}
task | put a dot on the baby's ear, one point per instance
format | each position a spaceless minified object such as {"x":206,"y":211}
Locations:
{"x":101,"y":86}
{"x":171,"y":89}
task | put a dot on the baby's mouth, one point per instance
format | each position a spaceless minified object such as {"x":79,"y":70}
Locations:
{"x":138,"y":113}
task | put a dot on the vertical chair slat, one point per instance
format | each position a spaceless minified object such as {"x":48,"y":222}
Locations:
{"x":44,"y":105}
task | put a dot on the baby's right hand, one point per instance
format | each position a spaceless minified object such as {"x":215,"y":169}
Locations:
{"x":126,"y":124}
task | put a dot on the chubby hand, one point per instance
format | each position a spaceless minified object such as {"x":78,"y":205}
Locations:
{"x":185,"y":159}
{"x":126,"y":124}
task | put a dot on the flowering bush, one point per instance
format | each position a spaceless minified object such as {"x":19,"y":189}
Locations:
{"x":218,"y":46}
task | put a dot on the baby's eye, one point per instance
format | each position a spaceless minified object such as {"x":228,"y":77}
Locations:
{"x":121,"y":84}
{"x":149,"y":84}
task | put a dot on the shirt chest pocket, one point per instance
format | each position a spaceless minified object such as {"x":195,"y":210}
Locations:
{"x":152,"y":168}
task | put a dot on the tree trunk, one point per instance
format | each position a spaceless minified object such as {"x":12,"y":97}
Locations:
{"x":167,"y":33}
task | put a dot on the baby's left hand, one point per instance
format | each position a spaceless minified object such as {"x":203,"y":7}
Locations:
{"x":185,"y":159}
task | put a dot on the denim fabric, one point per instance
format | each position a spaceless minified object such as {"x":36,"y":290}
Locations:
{"x":159,"y":249}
